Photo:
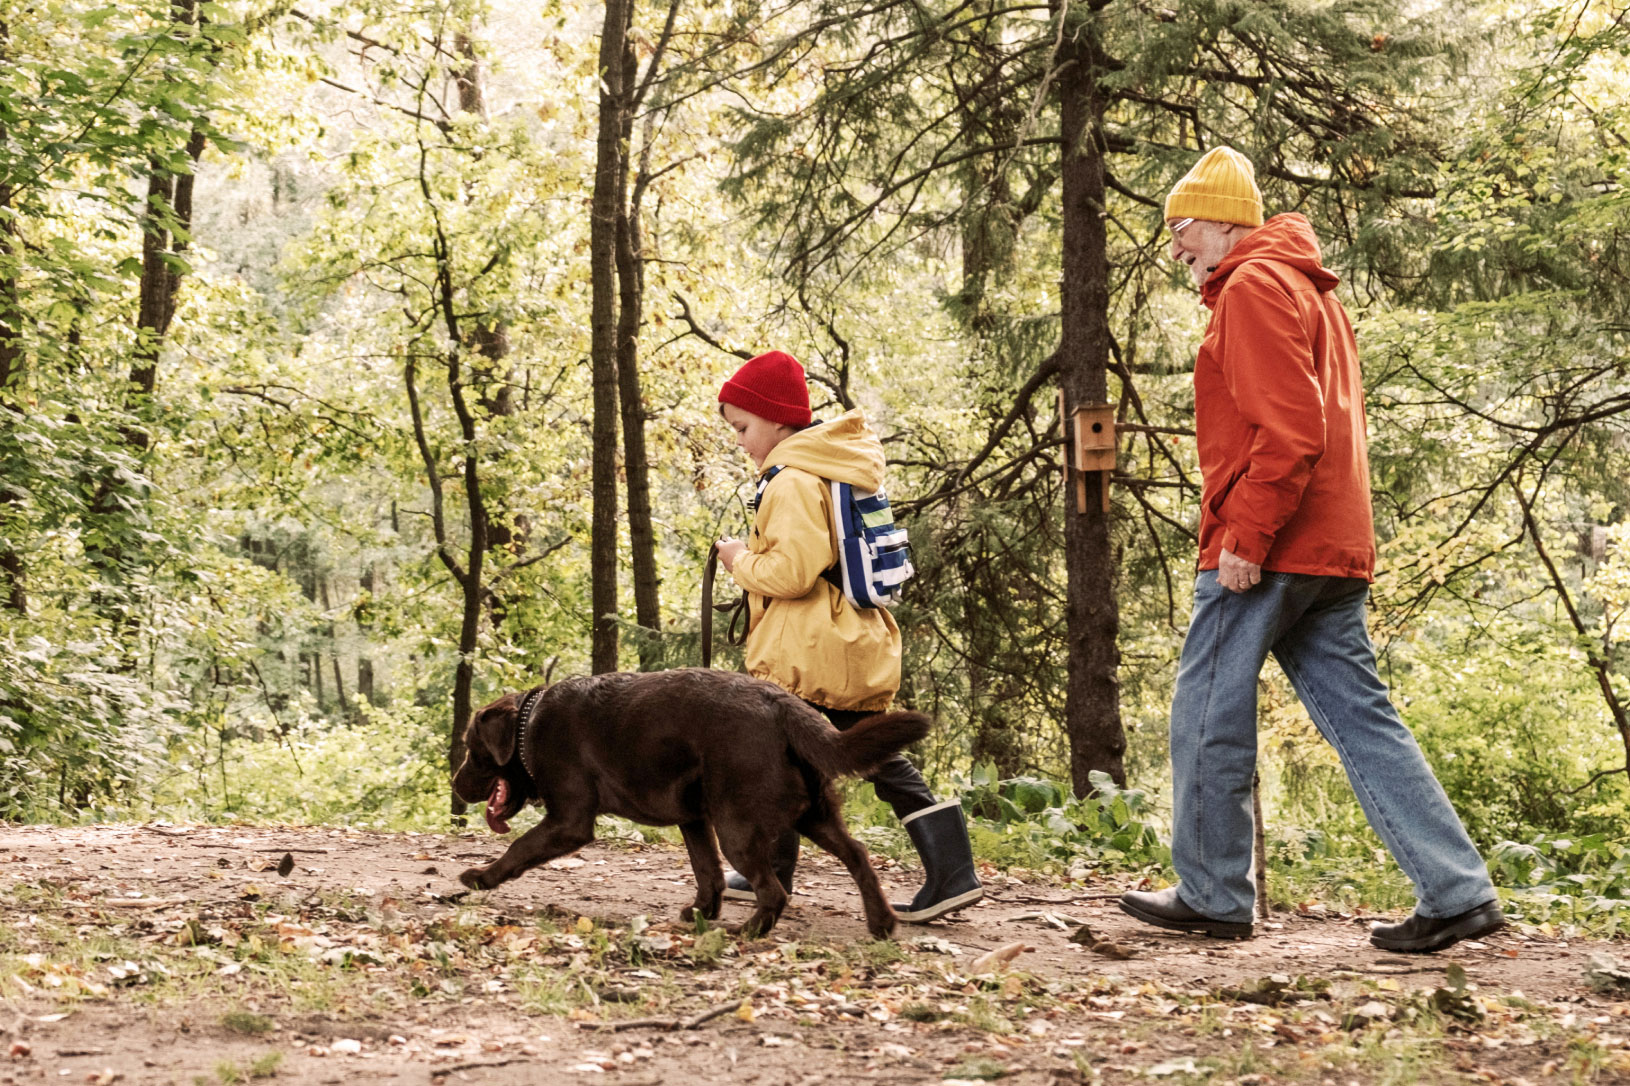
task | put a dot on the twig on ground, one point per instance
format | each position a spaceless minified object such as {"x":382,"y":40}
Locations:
{"x":672,"y":1024}
{"x":133,"y":903}
{"x":437,"y":1072}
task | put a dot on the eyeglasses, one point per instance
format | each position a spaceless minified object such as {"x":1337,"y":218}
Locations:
{"x":1179,"y":226}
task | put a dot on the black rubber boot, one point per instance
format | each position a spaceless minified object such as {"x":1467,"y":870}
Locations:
{"x":941,"y":835}
{"x":737,"y":888}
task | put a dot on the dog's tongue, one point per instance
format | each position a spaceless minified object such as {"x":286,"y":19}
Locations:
{"x":496,"y":803}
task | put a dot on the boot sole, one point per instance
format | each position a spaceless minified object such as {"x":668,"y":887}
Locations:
{"x":939,"y":908}
{"x":748,"y":895}
{"x":1216,"y":929}
{"x":1442,"y":940}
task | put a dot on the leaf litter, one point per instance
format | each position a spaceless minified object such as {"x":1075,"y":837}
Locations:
{"x":581,"y":969}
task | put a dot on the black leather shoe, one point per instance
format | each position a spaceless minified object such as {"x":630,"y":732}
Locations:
{"x":1164,"y":909}
{"x":1424,"y":934}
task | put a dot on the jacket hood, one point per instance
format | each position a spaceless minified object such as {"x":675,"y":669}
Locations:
{"x":1287,"y":239}
{"x":845,"y":450}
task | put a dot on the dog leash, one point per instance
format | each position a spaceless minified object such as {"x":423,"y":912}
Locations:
{"x":737,"y":609}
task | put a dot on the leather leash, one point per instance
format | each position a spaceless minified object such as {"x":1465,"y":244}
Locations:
{"x":737,"y":609}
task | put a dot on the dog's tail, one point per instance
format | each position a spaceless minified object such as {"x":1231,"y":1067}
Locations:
{"x":854,"y":752}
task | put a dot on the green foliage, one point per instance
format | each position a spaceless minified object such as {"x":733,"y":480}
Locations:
{"x":1031,"y":822}
{"x":1569,"y":878}
{"x":386,"y":771}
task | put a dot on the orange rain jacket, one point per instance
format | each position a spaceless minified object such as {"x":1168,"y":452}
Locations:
{"x":1279,"y":412}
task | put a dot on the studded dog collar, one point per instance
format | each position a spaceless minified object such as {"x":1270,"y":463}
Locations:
{"x":528,"y":715}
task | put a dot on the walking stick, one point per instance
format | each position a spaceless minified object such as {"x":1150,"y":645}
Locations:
{"x":1261,"y":847}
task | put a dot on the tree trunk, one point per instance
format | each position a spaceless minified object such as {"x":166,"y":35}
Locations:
{"x":989,"y":232}
{"x":14,"y":589}
{"x":162,"y":248}
{"x":166,"y":222}
{"x":636,"y":464}
{"x":604,"y":212}
{"x":470,"y":626}
{"x":365,"y":663}
{"x":1092,"y":691}
{"x":330,"y":628}
{"x":490,"y":337}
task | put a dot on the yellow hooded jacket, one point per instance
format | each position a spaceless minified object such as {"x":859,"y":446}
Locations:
{"x":803,"y":635}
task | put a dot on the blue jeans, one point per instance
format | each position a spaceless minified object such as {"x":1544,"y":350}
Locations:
{"x":1315,"y":627}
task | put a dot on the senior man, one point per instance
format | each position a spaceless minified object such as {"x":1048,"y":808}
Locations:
{"x":1287,"y":552}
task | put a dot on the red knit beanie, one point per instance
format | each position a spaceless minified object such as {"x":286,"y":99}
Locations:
{"x":772,"y":387}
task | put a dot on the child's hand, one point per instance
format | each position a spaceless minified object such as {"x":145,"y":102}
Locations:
{"x":729,"y":550}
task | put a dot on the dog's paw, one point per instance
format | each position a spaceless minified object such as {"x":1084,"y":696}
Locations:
{"x":883,"y":930}
{"x":706,"y":910}
{"x":758,"y":925}
{"x":476,"y":879}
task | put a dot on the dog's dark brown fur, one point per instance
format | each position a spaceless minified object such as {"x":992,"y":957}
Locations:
{"x":712,"y":752}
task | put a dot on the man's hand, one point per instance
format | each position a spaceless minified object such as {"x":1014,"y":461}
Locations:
{"x":730,"y":550}
{"x":1233,"y":572}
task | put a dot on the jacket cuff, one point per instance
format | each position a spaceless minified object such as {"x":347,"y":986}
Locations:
{"x":1246,"y":544}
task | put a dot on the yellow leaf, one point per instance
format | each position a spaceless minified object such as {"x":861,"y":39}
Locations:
{"x":585,"y":925}
{"x":745,"y":1012}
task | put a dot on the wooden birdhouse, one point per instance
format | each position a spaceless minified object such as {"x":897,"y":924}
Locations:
{"x":1090,"y":436}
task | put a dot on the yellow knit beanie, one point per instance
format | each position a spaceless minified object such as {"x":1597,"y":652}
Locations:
{"x":1220,"y":188}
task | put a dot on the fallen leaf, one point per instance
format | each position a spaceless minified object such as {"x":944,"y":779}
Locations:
{"x":998,"y":958}
{"x":1362,"y":1016}
{"x":1606,"y":974}
{"x":1086,"y":937}
{"x":286,"y":864}
{"x":1185,"y":1066}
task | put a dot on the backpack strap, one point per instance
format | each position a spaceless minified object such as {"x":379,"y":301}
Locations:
{"x":764,"y":481}
{"x":833,"y":573}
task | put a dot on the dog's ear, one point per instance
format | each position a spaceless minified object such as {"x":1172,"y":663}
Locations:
{"x":497,"y":728}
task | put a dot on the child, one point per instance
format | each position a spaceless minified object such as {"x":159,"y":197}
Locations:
{"x":803,"y":634}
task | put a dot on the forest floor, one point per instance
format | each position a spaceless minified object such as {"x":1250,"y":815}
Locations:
{"x":194,"y":954}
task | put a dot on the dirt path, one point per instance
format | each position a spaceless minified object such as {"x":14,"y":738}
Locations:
{"x":179,"y":954}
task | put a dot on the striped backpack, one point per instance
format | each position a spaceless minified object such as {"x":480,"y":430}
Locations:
{"x":874,"y":558}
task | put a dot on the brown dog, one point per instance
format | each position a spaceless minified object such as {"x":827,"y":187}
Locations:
{"x":712,"y":752}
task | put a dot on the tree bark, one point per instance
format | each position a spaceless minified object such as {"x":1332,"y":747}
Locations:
{"x":470,"y":624}
{"x":14,"y":590}
{"x":166,"y":222}
{"x":490,"y":338}
{"x":636,"y":464}
{"x":365,"y":663}
{"x":1092,"y":690}
{"x":470,"y":573}
{"x":605,"y":207}
{"x":989,"y":115}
